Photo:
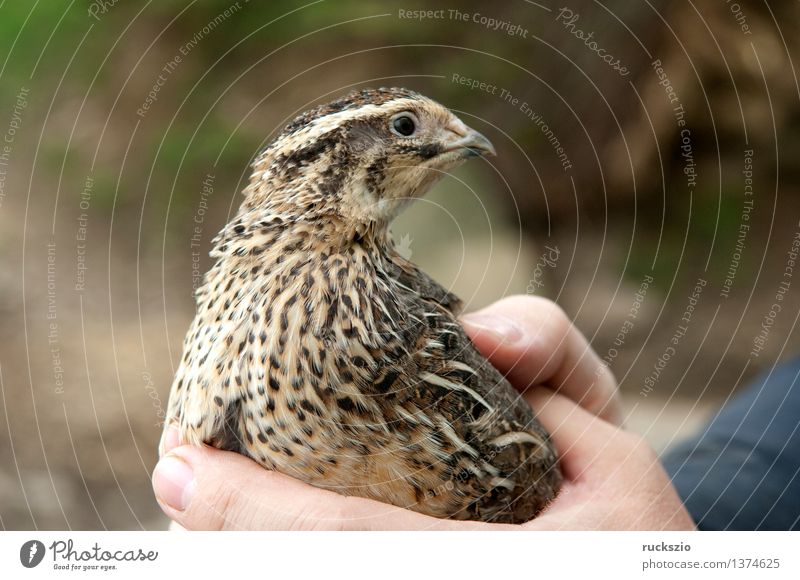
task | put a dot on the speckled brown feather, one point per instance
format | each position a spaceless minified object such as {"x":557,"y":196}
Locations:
{"x":320,"y":352}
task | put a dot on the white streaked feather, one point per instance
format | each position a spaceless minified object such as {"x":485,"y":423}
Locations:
{"x":453,"y":386}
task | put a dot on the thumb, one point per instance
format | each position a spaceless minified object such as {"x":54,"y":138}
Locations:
{"x":202,"y":488}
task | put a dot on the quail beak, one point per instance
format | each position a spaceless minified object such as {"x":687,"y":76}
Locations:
{"x":472,"y":143}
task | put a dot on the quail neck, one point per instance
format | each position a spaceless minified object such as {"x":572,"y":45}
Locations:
{"x":319,"y":352}
{"x":350,"y":166}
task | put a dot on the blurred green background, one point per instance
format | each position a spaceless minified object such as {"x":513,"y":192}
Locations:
{"x":127,"y":131}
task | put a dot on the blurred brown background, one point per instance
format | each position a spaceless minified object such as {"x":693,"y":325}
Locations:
{"x":647,"y":180}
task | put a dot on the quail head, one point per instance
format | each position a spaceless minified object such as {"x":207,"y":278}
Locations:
{"x":320,"y":352}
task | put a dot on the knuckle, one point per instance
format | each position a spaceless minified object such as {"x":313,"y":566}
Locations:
{"x":557,"y":318}
{"x":222,"y":508}
{"x":548,"y":336}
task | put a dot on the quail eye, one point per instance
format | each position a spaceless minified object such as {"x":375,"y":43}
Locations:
{"x":404,"y":125}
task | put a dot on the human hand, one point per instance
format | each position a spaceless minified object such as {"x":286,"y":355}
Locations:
{"x":612,"y":479}
{"x":533,"y":342}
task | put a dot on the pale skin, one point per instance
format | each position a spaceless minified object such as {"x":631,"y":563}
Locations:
{"x":613,"y":479}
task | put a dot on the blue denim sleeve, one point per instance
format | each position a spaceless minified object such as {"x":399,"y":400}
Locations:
{"x":743,"y":471}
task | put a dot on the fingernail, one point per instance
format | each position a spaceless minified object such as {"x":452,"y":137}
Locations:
{"x":501,"y":328}
{"x":173,"y":482}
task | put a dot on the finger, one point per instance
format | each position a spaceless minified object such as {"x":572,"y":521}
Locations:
{"x":202,"y":488}
{"x":532,"y":341}
{"x":586,"y":444}
{"x":169,"y":440}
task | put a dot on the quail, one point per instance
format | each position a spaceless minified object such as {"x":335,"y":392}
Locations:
{"x":318,"y":351}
